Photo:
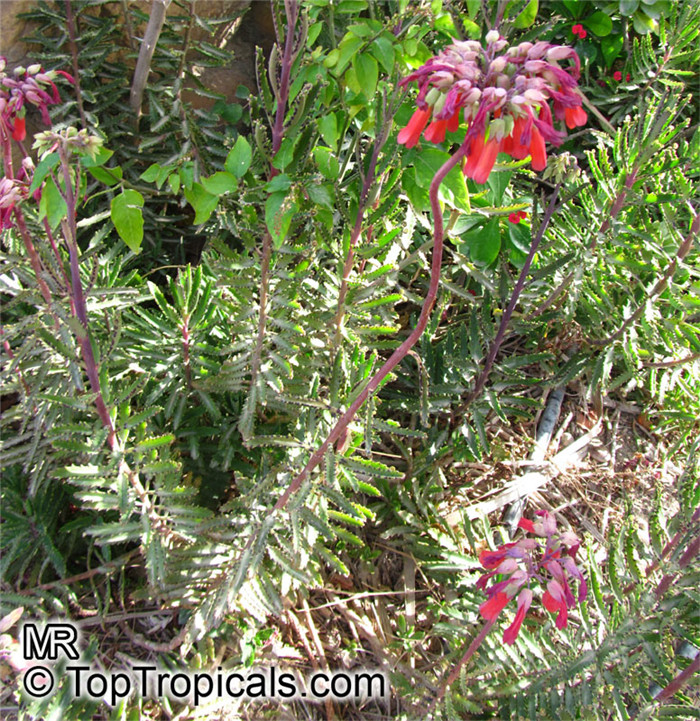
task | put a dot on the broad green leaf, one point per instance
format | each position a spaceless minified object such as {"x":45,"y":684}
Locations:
{"x":527,"y":16}
{"x":151,"y":173}
{"x":367,"y":73}
{"x":202,"y":201}
{"x":471,"y":28}
{"x":599,"y":23}
{"x":239,"y":158}
{"x":611,"y":47}
{"x":174,"y":182}
{"x":52,"y":206}
{"x":427,"y":161}
{"x":102,"y":155}
{"x":628,"y":7}
{"x":484,"y":243}
{"x":327,"y":162}
{"x":321,"y":194}
{"x":351,"y":6}
{"x":279,"y":211}
{"x":314,"y":32}
{"x":498,"y":182}
{"x":279,"y":182}
{"x":643,"y":24}
{"x":220,"y":183}
{"x":128,"y":218}
{"x":347,"y":49}
{"x":328,"y":127}
{"x":284,"y":155}
{"x":574,"y":7}
{"x":45,"y":166}
{"x":108,"y":176}
{"x":383,"y":51}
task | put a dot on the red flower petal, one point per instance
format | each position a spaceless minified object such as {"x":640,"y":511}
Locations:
{"x":480,"y":170}
{"x":524,"y":601}
{"x":453,"y":122}
{"x":435,"y":132}
{"x":491,"y":559}
{"x":525,"y":523}
{"x":19,"y":132}
{"x":491,"y":608}
{"x":515,"y":218}
{"x":582,"y":34}
{"x":538,"y":151}
{"x":575,"y":117}
{"x":411,"y":133}
{"x":617,"y":75}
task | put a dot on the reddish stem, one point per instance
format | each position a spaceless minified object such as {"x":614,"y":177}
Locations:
{"x":402,"y":351}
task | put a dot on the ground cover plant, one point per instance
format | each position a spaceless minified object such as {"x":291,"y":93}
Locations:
{"x":389,"y":362}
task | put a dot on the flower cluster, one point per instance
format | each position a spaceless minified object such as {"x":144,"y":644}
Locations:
{"x":29,"y":86}
{"x":579,"y":30}
{"x":517,"y":217}
{"x":518,"y":564}
{"x":503,"y":95}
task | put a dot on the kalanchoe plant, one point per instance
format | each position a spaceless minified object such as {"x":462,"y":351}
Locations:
{"x":504,"y":95}
{"x":517,"y":565}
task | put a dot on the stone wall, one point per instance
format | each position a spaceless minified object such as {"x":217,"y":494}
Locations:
{"x":253,"y":28}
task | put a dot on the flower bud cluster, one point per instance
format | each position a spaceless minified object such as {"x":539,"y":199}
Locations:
{"x":25,"y":86}
{"x":503,"y":94}
{"x":516,"y":566}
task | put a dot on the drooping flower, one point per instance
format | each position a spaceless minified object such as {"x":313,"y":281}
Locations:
{"x":28,"y":86}
{"x":502,"y":94}
{"x":514,"y":567}
{"x":12,"y":191}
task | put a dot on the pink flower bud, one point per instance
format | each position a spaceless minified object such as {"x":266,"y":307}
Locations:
{"x":559,"y":52}
{"x":492,"y":36}
{"x":499,"y":64}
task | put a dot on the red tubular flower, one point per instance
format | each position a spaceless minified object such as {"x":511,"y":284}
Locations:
{"x":19,"y":132}
{"x":491,"y":608}
{"x":524,"y":601}
{"x":411,"y":133}
{"x":574,"y":117}
{"x":483,"y":161}
{"x":555,"y":601}
{"x":538,"y":151}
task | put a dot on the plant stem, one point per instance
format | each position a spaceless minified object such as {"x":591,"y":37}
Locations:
{"x":33,"y":256}
{"x":369,"y":180}
{"x":70,"y":23}
{"x":473,"y":646}
{"x":292,"y":12}
{"x":70,"y":233}
{"x":515,"y":295}
{"x":402,"y":351}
